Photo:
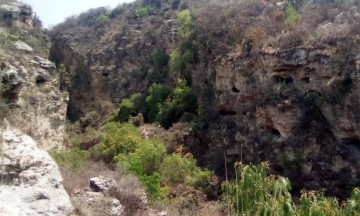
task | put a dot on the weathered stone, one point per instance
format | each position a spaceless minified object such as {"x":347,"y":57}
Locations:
{"x":20,"y":45}
{"x":101,"y":184}
{"x":32,"y":183}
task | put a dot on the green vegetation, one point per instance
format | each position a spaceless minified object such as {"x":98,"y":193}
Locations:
{"x":253,"y":192}
{"x":181,"y":100}
{"x":131,"y":107}
{"x":147,"y":159}
{"x":73,"y":159}
{"x":292,"y":15}
{"x":185,"y":53}
{"x":184,"y":21}
{"x":143,"y":11}
{"x":157,"y":94}
{"x":161,"y":104}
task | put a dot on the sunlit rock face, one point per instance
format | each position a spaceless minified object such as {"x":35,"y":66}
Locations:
{"x":31,"y":180}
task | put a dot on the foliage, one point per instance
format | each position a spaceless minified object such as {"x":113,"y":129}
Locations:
{"x":119,"y":138}
{"x":315,"y":97}
{"x":147,"y":159}
{"x":186,"y":170}
{"x":145,"y":162}
{"x":292,"y":15}
{"x":143,"y":11}
{"x":159,"y":59}
{"x":131,"y":107}
{"x":184,"y":21}
{"x":102,"y":19}
{"x":185,"y":52}
{"x":253,"y":192}
{"x":157,"y":94}
{"x":73,"y":159}
{"x":180,"y":101}
{"x":317,"y":204}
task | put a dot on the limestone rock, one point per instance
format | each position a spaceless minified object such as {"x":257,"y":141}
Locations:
{"x":32,"y":183}
{"x":97,"y":202}
{"x":20,"y":45}
{"x":101,"y":184}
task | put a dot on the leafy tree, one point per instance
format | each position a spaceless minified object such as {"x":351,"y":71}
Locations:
{"x":180,"y":101}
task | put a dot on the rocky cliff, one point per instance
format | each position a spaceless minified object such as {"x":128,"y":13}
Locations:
{"x":273,"y":82}
{"x":33,"y":112}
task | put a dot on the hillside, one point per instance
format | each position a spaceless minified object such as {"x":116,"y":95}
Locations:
{"x":175,"y":93}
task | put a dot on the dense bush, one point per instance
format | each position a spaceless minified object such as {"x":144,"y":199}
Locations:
{"x":131,"y":107}
{"x":147,"y":159}
{"x":157,"y":94}
{"x":181,"y":100}
{"x":143,"y":11}
{"x":186,"y":170}
{"x":118,"y":139}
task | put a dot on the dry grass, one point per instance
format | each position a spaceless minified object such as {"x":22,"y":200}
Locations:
{"x":129,"y":191}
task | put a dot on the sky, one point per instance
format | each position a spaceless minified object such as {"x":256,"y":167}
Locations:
{"x":52,"y":12}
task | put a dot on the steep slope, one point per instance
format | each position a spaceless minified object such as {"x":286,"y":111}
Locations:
{"x":275,"y":81}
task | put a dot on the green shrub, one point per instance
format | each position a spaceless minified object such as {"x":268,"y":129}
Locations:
{"x":145,"y":162}
{"x":186,"y":171}
{"x":317,"y":204}
{"x":73,"y":159}
{"x":157,"y":94}
{"x":143,"y":11}
{"x":292,"y":15}
{"x":102,"y":19}
{"x":255,"y":193}
{"x":180,"y":101}
{"x":119,"y":138}
{"x":184,"y":21}
{"x":131,"y":107}
{"x":159,"y":59}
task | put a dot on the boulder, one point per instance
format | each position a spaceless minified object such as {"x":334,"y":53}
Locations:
{"x":20,"y":45}
{"x":101,"y":184}
{"x":31,"y":180}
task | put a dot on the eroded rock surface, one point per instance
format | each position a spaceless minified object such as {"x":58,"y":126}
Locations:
{"x":31,"y":180}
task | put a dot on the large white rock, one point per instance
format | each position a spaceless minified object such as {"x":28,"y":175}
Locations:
{"x":31,"y":180}
{"x":20,"y":45}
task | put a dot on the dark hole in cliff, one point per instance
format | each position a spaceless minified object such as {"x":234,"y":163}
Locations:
{"x":305,"y":79}
{"x":40,"y":80}
{"x":105,"y":74}
{"x":275,"y":133}
{"x":354,"y":141}
{"x":286,"y":80}
{"x":227,"y":113}
{"x":234,"y":89}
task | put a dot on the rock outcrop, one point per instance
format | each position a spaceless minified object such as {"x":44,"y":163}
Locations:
{"x":31,"y":183}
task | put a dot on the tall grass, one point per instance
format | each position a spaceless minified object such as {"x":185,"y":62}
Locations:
{"x":254,"y":192}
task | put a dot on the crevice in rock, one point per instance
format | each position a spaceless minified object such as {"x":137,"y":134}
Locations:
{"x":286,"y":80}
{"x":227,"y":113}
{"x":234,"y":89}
{"x":305,"y":79}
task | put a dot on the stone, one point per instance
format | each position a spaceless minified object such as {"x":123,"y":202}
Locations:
{"x":101,"y":184}
{"x":20,"y":45}
{"x":32,"y":183}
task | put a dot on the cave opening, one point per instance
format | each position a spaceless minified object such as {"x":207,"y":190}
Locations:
{"x":286,"y":80}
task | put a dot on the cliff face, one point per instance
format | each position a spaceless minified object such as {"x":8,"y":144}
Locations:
{"x":30,"y":95}
{"x":269,"y":86}
{"x":32,"y":118}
